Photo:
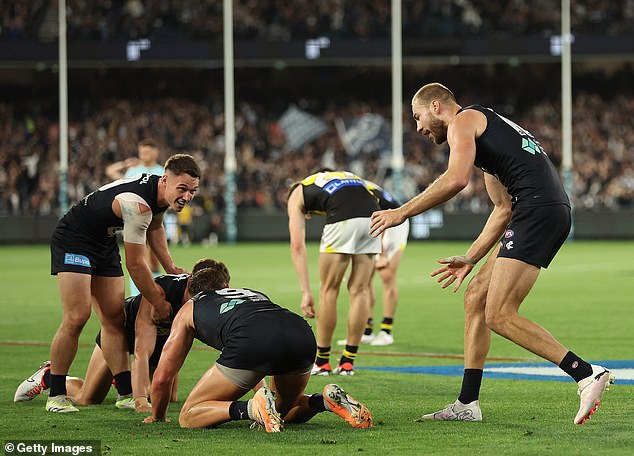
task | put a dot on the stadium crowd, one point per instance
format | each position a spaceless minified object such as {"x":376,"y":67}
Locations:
{"x":109,"y":20}
{"x":106,"y":130}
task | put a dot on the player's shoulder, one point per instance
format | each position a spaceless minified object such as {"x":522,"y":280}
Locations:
{"x":472,"y":112}
{"x":469,"y":119}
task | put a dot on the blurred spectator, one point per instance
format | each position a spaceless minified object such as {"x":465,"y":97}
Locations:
{"x":279,"y":20}
{"x":104,"y":130}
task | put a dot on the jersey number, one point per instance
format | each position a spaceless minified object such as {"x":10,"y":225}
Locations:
{"x":234,"y":293}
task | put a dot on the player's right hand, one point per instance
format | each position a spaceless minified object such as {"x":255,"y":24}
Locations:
{"x":382,"y":220}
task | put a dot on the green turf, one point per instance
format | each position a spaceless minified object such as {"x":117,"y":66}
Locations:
{"x":584,"y":299}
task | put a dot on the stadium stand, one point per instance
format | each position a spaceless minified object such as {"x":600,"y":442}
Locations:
{"x":107,"y":129}
{"x":280,"y":20}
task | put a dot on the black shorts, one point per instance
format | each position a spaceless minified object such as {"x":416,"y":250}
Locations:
{"x":273,"y":342}
{"x":129,"y":337}
{"x":72,"y":251}
{"x":535,"y":234}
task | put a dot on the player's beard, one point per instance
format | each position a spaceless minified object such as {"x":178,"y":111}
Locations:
{"x":438,"y":129}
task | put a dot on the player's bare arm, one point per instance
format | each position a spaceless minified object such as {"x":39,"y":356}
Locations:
{"x":137,"y":217}
{"x":461,"y":136}
{"x":176,"y":348}
{"x":157,"y":241}
{"x":144,"y":343}
{"x":497,"y":221}
{"x":456,"y":268}
{"x":297,"y":230}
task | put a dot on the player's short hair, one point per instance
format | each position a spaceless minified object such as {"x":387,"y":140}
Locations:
{"x":433,"y":91}
{"x":182,"y":164}
{"x":210,"y":278}
{"x":148,"y":142}
{"x":204,"y":263}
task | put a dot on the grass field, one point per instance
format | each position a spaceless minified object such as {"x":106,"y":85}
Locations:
{"x":585,"y":299}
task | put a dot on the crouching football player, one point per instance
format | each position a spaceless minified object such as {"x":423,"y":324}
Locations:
{"x":256,"y":338}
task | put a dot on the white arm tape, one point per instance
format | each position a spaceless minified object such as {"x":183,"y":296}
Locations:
{"x":135,"y":222}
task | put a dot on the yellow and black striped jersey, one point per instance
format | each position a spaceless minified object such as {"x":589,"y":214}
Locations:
{"x":339,"y":195}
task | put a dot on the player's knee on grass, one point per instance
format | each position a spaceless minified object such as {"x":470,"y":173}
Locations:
{"x":183,"y":417}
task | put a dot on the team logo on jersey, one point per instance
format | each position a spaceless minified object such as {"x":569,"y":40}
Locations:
{"x":76,"y":260}
{"x":227,"y":306}
{"x":508,"y":234}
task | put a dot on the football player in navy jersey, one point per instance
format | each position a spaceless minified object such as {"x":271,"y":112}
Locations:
{"x":145,"y":340}
{"x":532,"y":218}
{"x":146,"y":163}
{"x":256,"y":338}
{"x":85,"y":258}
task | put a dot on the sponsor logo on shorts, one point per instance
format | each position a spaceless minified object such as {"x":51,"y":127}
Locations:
{"x":76,"y":259}
{"x":508,"y":234}
{"x":336,"y":184}
{"x":509,"y":245}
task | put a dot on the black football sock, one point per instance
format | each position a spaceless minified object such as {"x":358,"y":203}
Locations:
{"x":238,"y":410}
{"x":123,"y":382}
{"x":575,"y":367}
{"x":316,"y":403}
{"x":323,"y":356}
{"x":46,"y":379}
{"x":349,"y":354}
{"x":386,"y":325}
{"x":58,"y":385}
{"x":369,"y":326}
{"x":471,"y":381}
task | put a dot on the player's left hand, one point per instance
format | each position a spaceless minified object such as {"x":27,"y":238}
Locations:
{"x":177,"y":270}
{"x":141,"y":405}
{"x":151,"y":419}
{"x":455,"y":270}
{"x":382,"y":220}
